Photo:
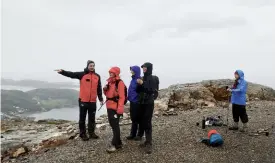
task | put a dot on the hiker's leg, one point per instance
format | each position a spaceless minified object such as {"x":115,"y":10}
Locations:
{"x":133,"y":116}
{"x":149,"y":109}
{"x":118,"y":142}
{"x":135,"y":109}
{"x":244,"y":117}
{"x":114,"y":123}
{"x":118,"y":138}
{"x":141,"y":119}
{"x":82,"y":120}
{"x":91,"y":120}
{"x":243,"y":114}
{"x":111,"y":114}
{"x":140,"y":126}
{"x":235,"y":113}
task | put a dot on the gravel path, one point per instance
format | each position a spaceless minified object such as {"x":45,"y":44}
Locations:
{"x":175,"y":141}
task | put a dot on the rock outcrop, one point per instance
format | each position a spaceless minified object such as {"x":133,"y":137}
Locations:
{"x":20,"y":136}
{"x":205,"y":94}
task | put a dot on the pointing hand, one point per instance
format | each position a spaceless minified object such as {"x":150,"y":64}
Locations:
{"x":58,"y":70}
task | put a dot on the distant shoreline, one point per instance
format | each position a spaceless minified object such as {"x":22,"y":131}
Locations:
{"x":37,"y":83}
{"x":28,"y":88}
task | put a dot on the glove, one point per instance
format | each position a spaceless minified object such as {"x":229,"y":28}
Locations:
{"x":105,"y":88}
{"x":119,"y":114}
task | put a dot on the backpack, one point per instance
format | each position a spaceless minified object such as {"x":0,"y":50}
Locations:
{"x":215,"y":140}
{"x":125,"y":90}
{"x":156,"y":80}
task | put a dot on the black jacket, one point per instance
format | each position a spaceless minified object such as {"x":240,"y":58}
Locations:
{"x":149,"y":87}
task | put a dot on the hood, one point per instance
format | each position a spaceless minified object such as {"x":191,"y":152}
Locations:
{"x":149,"y":67}
{"x":116,"y":71}
{"x":136,"y":70}
{"x":240,"y":73}
{"x":86,"y":70}
{"x":211,"y":132}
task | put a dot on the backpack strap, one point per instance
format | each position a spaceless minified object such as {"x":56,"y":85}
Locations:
{"x":117,"y":82}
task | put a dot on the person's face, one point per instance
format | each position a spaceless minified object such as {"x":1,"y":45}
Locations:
{"x":236,"y":76}
{"x":144,"y":69}
{"x":91,"y":67}
{"x":132,"y":72}
{"x":112,"y":75}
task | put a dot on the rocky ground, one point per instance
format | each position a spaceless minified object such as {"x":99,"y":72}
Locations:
{"x":175,"y":140}
{"x":175,"y":132}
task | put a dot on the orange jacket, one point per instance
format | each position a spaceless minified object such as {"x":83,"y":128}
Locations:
{"x":90,"y":85}
{"x":112,"y":92}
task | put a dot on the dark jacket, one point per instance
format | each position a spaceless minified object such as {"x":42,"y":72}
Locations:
{"x":90,"y":84}
{"x":132,"y":90}
{"x":148,"y":88}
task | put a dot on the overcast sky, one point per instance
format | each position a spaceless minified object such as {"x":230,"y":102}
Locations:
{"x":186,"y":40}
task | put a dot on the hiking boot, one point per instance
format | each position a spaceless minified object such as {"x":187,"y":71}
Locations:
{"x":84,"y":137}
{"x":130,"y":137}
{"x":93,"y":136}
{"x":244,"y":128}
{"x":148,"y":149}
{"x":138,"y":138}
{"x":142,"y":145}
{"x":111,"y":149}
{"x":234,"y":127}
{"x":119,"y":146}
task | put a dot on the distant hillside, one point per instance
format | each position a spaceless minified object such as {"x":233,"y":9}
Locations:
{"x":14,"y":101}
{"x":36,"y":83}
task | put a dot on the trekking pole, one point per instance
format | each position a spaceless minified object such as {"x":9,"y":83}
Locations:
{"x":102,"y":105}
{"x":227,"y":126}
{"x":227,"y":118}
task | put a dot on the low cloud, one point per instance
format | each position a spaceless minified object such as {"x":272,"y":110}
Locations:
{"x":186,"y":25}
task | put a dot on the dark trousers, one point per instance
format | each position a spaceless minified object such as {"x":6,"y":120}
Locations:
{"x":114,"y":123}
{"x":239,"y":112}
{"x":135,"y":118}
{"x":146,"y":113}
{"x":85,"y":107}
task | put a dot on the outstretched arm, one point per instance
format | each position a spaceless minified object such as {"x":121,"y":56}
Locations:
{"x":73,"y":75}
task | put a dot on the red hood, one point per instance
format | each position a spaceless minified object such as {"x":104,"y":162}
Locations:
{"x":116,"y":71}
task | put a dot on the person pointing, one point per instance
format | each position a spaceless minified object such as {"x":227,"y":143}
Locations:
{"x":90,"y":89}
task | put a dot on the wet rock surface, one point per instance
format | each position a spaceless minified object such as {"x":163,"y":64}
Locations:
{"x":22,"y":136}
